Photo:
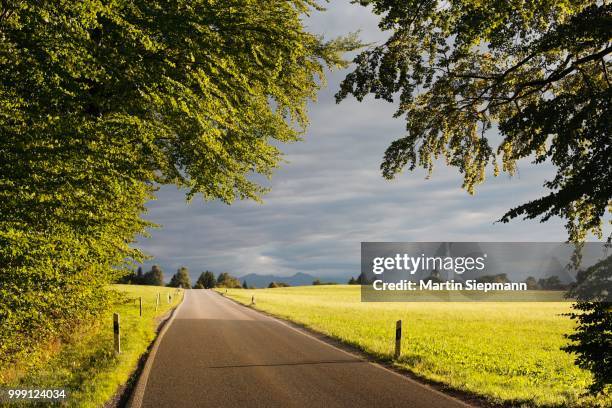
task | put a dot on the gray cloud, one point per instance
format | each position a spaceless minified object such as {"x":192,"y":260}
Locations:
{"x":330,"y":196}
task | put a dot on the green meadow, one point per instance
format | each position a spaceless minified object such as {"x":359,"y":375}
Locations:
{"x":505,"y":352}
{"x":86,"y":363}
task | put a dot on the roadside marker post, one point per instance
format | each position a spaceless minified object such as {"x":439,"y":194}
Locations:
{"x":398,"y":338}
{"x":253,"y":300}
{"x":157,"y":302}
{"x":168,"y":297}
{"x":116,"y":333}
{"x":140,"y":299}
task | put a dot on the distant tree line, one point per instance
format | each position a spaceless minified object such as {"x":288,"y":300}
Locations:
{"x":182,"y":279}
{"x":154,"y":277}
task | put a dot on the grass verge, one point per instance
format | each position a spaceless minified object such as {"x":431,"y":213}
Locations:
{"x":508,"y":353}
{"x":86,"y":364}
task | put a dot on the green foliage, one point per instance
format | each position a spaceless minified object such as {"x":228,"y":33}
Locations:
{"x":352,"y":281}
{"x":279,"y":285}
{"x":205,"y":281}
{"x":592,"y":341}
{"x":318,"y":282}
{"x":155,"y":277}
{"x":86,"y":363}
{"x":551,"y":283}
{"x":538,"y":71}
{"x":532,"y":283}
{"x":102,"y":101}
{"x":225,"y":280}
{"x":181,"y":279}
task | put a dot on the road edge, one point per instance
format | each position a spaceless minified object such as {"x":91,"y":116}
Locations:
{"x":136,"y":397}
{"x":467,"y":400}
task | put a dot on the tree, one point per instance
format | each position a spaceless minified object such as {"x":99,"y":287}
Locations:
{"x":155,"y":277}
{"x":316,"y":282}
{"x":205,"y":281}
{"x":592,"y":341}
{"x":532,"y":283}
{"x":139,"y":276}
{"x":225,"y":280}
{"x":550,"y":283}
{"x":537,"y":72}
{"x":181,"y":279}
{"x":128,"y":278}
{"x":99,"y":104}
{"x":352,"y":281}
{"x":362,"y":279}
{"x":244,"y":285}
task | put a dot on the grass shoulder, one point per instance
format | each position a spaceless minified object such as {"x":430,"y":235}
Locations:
{"x":86,"y":363}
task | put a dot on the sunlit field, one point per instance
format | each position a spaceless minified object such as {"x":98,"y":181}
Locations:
{"x":505,"y":352}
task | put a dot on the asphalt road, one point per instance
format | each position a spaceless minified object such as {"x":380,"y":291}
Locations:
{"x":216,"y":353}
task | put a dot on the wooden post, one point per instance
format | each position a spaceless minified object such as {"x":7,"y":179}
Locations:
{"x":253,"y":300}
{"x":398,"y":338}
{"x":140,"y":302}
{"x":117,"y":333}
{"x":157,"y":302}
{"x":168,"y":297}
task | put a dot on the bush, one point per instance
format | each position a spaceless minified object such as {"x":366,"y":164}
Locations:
{"x":278,"y":285}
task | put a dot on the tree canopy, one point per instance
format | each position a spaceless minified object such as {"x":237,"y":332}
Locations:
{"x":100,"y":102}
{"x":205,"y":281}
{"x":181,"y":279}
{"x":538,"y":72}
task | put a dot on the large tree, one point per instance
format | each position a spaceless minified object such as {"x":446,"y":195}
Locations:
{"x":181,"y":279}
{"x":535,"y":72}
{"x":205,"y":281}
{"x":101,"y":101}
{"x":154,"y":277}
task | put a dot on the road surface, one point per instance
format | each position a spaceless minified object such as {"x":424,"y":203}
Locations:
{"x":216,"y":353}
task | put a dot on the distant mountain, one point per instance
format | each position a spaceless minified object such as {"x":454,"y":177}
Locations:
{"x":299,"y":279}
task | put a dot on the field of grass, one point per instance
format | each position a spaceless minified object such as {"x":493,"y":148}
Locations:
{"x":87,"y":365}
{"x":505,"y":352}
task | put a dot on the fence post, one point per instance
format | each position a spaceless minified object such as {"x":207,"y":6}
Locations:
{"x":398,"y":338}
{"x":116,"y":333}
{"x":168,"y":297}
{"x":157,"y":302}
{"x":140,"y":303}
{"x":253,"y":300}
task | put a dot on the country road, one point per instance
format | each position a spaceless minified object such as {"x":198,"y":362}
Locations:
{"x":216,"y":353}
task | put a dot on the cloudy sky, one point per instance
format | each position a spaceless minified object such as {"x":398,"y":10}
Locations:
{"x":330,"y":196}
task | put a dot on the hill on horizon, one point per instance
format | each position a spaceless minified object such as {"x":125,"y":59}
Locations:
{"x":299,"y":279}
